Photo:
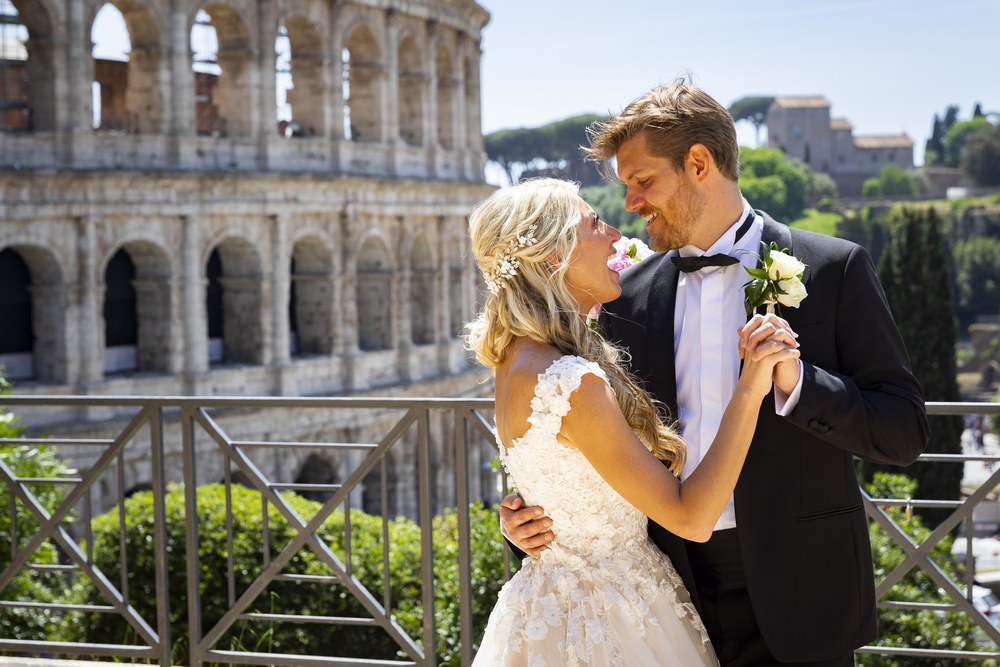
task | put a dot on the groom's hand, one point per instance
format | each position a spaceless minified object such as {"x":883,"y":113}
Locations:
{"x":761,"y":328}
{"x":525,"y":526}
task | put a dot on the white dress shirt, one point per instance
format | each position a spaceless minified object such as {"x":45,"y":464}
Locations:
{"x":707,"y":316}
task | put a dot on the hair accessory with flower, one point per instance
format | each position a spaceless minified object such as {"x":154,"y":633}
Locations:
{"x":507,"y":264}
{"x":777,"y":283}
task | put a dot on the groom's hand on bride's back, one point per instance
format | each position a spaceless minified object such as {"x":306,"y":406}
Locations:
{"x":525,"y":527}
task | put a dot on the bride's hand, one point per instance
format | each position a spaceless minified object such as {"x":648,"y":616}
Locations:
{"x":770,"y":355}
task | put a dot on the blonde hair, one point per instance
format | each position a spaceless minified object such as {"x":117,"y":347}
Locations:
{"x":536,"y":302}
{"x":673,"y":118}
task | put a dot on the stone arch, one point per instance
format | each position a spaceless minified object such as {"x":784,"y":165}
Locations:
{"x":138,"y":304}
{"x":373,"y":291}
{"x":234,"y":302}
{"x":27,"y":67}
{"x":361,"y":59}
{"x":317,"y":469}
{"x":32,"y":308}
{"x":372,"y":490}
{"x":422,"y":292}
{"x":310,"y":304}
{"x":446,"y":90}
{"x":129,"y":81}
{"x":223,"y":64}
{"x":412,"y":84}
{"x":457,"y":277}
{"x":300,"y":71}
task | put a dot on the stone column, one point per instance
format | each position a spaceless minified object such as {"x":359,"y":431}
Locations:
{"x":391,"y":81}
{"x":90,"y":343}
{"x":347,"y":325}
{"x":178,"y":84}
{"x":50,"y":306}
{"x":430,"y":122}
{"x":280,"y":293}
{"x":461,"y":83}
{"x":195,"y":324}
{"x":74,"y":107}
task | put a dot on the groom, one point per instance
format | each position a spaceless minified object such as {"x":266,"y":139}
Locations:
{"x":787,"y":576}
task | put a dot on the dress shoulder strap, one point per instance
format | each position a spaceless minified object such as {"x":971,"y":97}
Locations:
{"x":554,"y":387}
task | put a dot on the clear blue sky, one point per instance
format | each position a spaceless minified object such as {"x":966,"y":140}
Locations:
{"x":886,"y":65}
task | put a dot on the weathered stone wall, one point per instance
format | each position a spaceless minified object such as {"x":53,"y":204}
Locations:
{"x":328,"y":260}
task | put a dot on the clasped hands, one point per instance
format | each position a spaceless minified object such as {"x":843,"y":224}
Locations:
{"x":530,"y":530}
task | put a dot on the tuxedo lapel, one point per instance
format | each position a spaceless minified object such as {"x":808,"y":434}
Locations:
{"x":660,"y":332}
{"x":776,"y":232}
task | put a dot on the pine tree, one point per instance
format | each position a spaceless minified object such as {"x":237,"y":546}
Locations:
{"x":914,"y":274}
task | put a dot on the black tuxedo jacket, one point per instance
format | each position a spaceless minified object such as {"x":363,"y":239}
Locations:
{"x":802,"y":528}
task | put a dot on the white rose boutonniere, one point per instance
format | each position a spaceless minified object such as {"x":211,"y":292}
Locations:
{"x":778,"y":281}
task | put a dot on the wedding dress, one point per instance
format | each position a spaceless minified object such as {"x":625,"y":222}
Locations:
{"x":602,"y":594}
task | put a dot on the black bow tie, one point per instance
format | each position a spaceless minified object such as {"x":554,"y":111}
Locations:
{"x":689,"y":264}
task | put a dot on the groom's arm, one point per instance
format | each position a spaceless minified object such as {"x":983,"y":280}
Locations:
{"x":866,"y":400}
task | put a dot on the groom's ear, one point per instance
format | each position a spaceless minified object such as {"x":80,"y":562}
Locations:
{"x":699,"y":162}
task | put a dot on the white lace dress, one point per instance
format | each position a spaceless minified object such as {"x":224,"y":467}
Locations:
{"x":603,"y":594}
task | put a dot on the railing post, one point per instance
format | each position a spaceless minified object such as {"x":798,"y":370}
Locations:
{"x":426,"y":537}
{"x":191,"y":537}
{"x":161,"y":566}
{"x":464,"y":538}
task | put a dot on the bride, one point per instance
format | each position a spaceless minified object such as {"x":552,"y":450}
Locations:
{"x":578,"y":436}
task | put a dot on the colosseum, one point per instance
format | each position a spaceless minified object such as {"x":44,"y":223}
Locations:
{"x":255,"y":198}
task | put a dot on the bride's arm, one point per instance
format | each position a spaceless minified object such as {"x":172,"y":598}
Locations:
{"x":690,"y":509}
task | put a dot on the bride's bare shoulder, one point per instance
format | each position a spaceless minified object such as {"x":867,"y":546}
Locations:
{"x":527,"y":361}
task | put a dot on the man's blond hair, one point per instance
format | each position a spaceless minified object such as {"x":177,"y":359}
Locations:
{"x":673,"y":118}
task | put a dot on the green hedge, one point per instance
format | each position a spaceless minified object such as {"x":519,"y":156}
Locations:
{"x":326,"y":599}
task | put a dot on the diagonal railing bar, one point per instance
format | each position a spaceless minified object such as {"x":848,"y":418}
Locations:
{"x":485,"y":428}
{"x":49,"y":522}
{"x":305,"y":533}
{"x":51,"y":528}
{"x":919,"y":553}
{"x":925,"y":563}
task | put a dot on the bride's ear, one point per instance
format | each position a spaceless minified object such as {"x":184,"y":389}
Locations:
{"x":554,"y":260}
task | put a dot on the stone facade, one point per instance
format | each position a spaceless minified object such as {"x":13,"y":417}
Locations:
{"x":803,"y":129}
{"x":171,"y":250}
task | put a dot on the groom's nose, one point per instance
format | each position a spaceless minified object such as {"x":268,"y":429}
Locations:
{"x":633,"y":200}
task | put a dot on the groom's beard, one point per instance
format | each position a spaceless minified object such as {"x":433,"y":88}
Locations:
{"x":674,"y":224}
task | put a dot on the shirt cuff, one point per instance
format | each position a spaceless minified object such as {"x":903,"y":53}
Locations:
{"x":785,"y":403}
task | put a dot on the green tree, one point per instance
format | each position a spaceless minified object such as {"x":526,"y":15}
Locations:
{"x":893,"y":182}
{"x":977,"y":278}
{"x":288,"y":597}
{"x":907,"y":628}
{"x":980,"y":159}
{"x":752,"y":110}
{"x":913,"y":271}
{"x":27,"y":585}
{"x":934,"y":149}
{"x":552,"y":146}
{"x":773,"y":183}
{"x":957,"y":136}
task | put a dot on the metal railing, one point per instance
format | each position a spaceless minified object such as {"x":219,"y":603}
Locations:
{"x":412,"y":428}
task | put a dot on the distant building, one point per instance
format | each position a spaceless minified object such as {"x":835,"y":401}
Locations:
{"x":803,"y":129}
